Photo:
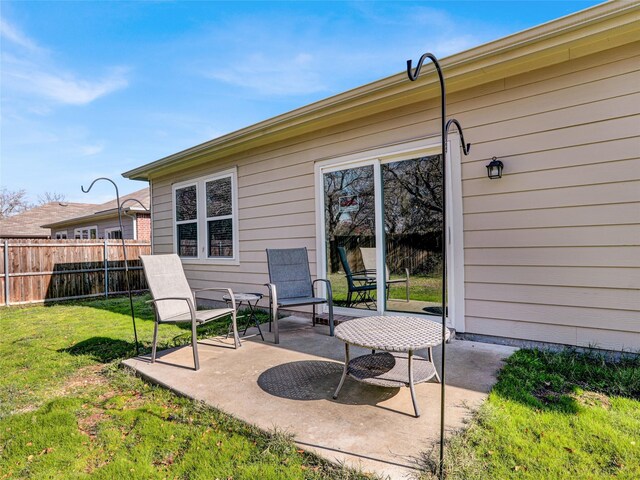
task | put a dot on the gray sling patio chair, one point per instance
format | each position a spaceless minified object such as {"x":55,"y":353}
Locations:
{"x":175,"y":302}
{"x":290,"y":285}
{"x":358,"y":283}
{"x":369,"y":260}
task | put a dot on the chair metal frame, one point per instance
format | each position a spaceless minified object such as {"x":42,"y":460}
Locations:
{"x":276,"y":302}
{"x":192,"y":314}
{"x":388,"y":280}
{"x":365,"y":283}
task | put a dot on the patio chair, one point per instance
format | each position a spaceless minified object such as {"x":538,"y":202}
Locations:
{"x":175,"y":302}
{"x":290,"y":285}
{"x":358,"y":283}
{"x":369,"y":260}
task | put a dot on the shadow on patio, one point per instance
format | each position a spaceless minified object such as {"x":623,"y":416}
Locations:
{"x":290,"y":386}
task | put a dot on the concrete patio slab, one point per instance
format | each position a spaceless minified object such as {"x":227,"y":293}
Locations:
{"x":290,"y":386}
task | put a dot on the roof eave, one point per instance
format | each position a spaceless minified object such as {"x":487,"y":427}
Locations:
{"x":602,"y":26}
{"x":94,"y":217}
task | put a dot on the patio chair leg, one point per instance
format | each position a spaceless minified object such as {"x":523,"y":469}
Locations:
{"x":348,"y":299}
{"x":155,"y":340}
{"x":407,"y":284}
{"x":270,"y":313}
{"x":276,"y":335}
{"x":194,"y":344}
{"x":236,"y":338}
{"x":313,"y":315}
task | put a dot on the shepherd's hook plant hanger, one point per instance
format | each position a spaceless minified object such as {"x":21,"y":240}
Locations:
{"x":124,"y":251}
{"x":466,"y":147}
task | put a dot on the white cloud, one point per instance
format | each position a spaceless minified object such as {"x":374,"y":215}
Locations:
{"x":29,"y":69}
{"x":321,"y":55}
{"x":14,"y":35}
{"x":89,"y":150}
{"x":295,"y":74}
{"x":54,"y":84}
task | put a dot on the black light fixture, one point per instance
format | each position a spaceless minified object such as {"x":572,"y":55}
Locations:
{"x":494,"y":169}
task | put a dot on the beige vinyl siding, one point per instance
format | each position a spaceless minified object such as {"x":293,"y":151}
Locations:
{"x":551,"y":249}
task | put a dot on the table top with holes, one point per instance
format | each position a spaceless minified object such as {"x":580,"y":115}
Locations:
{"x":391,"y":333}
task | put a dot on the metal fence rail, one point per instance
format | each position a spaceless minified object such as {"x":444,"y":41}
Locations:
{"x":33,"y":271}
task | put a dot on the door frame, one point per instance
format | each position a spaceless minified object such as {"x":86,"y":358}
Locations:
{"x":455,"y":230}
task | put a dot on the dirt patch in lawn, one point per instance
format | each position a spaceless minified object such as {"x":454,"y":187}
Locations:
{"x":592,"y":399}
{"x":90,"y":376}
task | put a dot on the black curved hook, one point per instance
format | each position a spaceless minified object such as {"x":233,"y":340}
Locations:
{"x":414,"y":76}
{"x":466,"y":147}
{"x":101,"y":178}
{"x":132,"y":200}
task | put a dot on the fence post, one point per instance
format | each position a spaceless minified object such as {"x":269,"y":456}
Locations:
{"x":6,"y":273}
{"x":106,"y":270}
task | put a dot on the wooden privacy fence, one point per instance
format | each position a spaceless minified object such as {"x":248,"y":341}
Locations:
{"x":421,"y":253}
{"x":45,"y":270}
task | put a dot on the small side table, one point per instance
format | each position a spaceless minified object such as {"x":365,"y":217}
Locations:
{"x":251,"y":300}
{"x":400,"y":335}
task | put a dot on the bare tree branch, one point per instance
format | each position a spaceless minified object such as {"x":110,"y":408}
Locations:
{"x":48,"y":197}
{"x":13,"y":202}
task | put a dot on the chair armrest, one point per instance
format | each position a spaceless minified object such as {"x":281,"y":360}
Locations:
{"x":364,"y":272}
{"x":189,"y":301}
{"x":273,"y":294}
{"x":213,"y":289}
{"x":328,"y":283}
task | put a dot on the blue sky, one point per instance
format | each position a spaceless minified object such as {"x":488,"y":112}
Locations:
{"x":96,"y":88}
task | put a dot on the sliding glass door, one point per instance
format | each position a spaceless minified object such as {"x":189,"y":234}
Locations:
{"x":382,"y":223}
{"x":349,"y":225}
{"x":413,"y":214}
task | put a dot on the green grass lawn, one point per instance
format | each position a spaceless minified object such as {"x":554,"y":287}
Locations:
{"x":68,"y":411}
{"x":553,"y":416}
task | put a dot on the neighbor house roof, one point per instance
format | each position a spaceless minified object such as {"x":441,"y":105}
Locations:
{"x":583,"y":33}
{"x":109,"y":209}
{"x":29,"y":224}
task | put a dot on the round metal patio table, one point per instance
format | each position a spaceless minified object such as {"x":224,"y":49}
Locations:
{"x":395,"y":336}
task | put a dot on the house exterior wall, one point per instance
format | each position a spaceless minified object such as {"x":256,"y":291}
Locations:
{"x":551,"y":250}
{"x":127,"y":225}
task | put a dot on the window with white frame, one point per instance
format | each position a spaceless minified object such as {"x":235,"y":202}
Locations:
{"x":61,"y":235}
{"x":113,"y":233}
{"x":86,"y":233}
{"x":206,"y":223}
{"x":186,"y":202}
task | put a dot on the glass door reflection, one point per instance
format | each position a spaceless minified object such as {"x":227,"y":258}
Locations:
{"x":413,"y":215}
{"x":349,"y":211}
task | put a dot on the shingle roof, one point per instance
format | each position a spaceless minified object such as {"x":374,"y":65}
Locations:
{"x":28,"y":224}
{"x":107,"y":209}
{"x":142,"y":195}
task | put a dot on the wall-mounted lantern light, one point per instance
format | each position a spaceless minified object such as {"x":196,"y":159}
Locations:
{"x":494,"y":169}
